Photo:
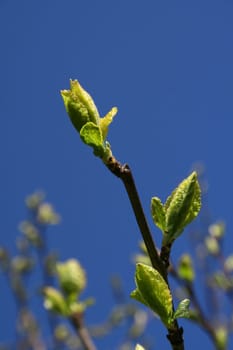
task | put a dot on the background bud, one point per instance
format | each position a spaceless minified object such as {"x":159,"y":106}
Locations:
{"x":72,"y":277}
{"x":185,"y":268}
{"x":54,"y":301}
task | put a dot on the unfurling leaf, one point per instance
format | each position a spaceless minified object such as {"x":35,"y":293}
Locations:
{"x":158,"y":213}
{"x":153,"y":291}
{"x":85,"y":118}
{"x":106,"y":121}
{"x":91,"y":136}
{"x":182,"y":309}
{"x":181,"y":207}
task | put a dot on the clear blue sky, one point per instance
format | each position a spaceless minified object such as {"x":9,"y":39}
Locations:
{"x":167,"y":66}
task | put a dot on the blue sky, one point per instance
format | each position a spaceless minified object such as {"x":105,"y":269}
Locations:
{"x":167,"y":66}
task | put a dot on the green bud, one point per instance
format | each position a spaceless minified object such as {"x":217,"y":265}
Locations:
{"x":212,"y":245}
{"x":85,"y":117}
{"x":47,"y":215}
{"x":31,"y":232}
{"x":54,"y":301}
{"x":72,"y":277}
{"x":34,"y":200}
{"x":22,"y":264}
{"x":217,"y":229}
{"x":185,"y":268}
{"x":221,"y":334}
{"x":61,"y":333}
{"x":228,"y":264}
{"x":79,"y":105}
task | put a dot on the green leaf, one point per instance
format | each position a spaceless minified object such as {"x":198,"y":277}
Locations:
{"x":158,"y":213}
{"x":106,"y":121}
{"x":135,"y":294}
{"x":92,"y":136}
{"x":182,"y":309}
{"x":182,"y":207}
{"x":153,"y":291}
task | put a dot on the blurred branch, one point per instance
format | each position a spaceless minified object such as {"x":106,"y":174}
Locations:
{"x":198,"y":315}
{"x":84,"y":335}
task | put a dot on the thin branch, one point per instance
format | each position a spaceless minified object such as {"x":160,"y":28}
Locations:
{"x":175,"y":334}
{"x":125,"y":174}
{"x":82,"y":331}
{"x":201,"y":318}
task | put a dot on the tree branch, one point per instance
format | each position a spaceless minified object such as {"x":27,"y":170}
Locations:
{"x":175,"y":334}
{"x":125,"y":174}
{"x":84,"y":335}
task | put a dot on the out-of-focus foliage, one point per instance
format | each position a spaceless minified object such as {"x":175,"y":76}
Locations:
{"x":61,"y":285}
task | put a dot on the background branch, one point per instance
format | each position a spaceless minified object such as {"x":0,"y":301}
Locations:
{"x":82,"y":331}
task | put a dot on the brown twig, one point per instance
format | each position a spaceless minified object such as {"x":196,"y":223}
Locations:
{"x":125,"y":174}
{"x":175,"y":334}
{"x":82,"y":331}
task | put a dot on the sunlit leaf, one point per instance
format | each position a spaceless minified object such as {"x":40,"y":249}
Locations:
{"x":158,"y":213}
{"x":91,"y":135}
{"x":153,"y":291}
{"x":182,"y":309}
{"x":106,"y":121}
{"x":182,"y":207}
